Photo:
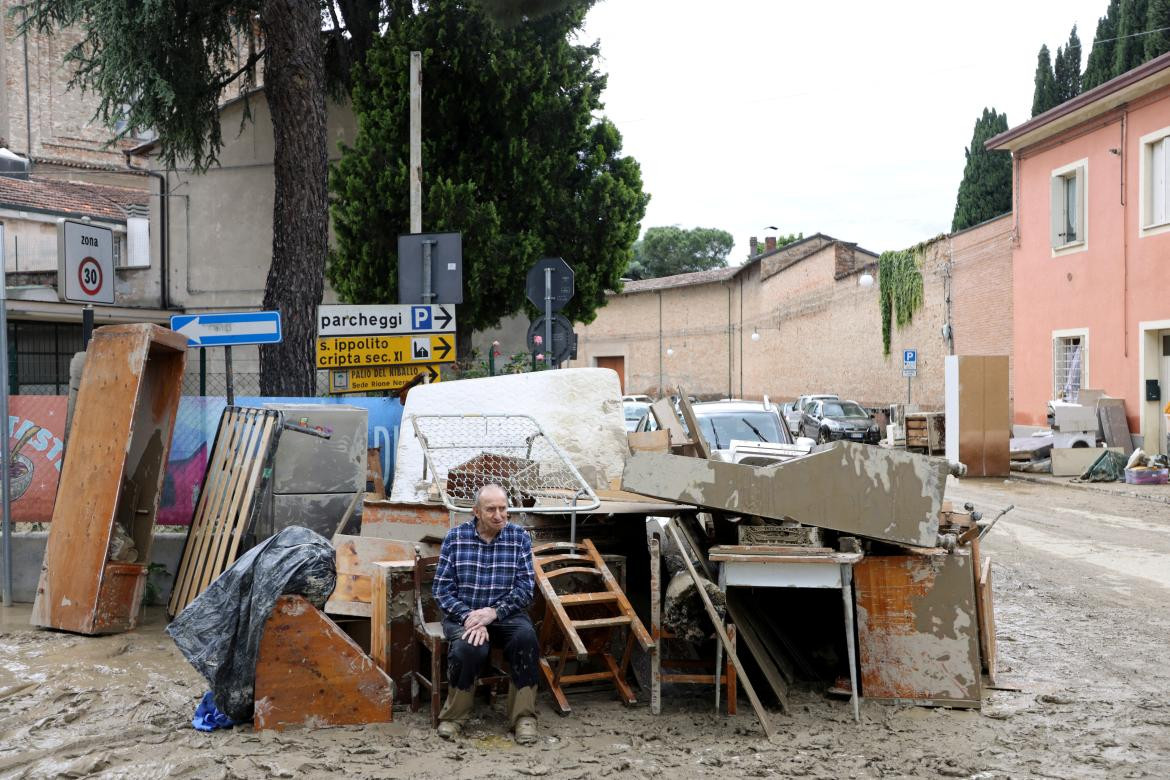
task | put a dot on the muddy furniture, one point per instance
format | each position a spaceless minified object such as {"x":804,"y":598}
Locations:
{"x":428,"y":636}
{"x":724,"y":671}
{"x":589,"y":630}
{"x":310,"y":673}
{"x":112,"y":474}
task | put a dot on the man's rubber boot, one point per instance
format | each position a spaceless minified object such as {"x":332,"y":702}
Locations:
{"x":455,"y":711}
{"x":522,"y":713}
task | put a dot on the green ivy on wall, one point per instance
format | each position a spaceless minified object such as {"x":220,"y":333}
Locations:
{"x":900,"y":290}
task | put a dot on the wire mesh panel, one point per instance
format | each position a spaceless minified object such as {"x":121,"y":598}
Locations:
{"x":465,"y":452}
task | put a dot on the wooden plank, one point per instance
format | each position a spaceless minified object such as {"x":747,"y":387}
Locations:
{"x":761,"y":714}
{"x":986,"y":612}
{"x":649,"y":441}
{"x":587,"y":598}
{"x":609,"y":622}
{"x":688,"y":414}
{"x":311,"y":673}
{"x":118,"y":413}
{"x":380,"y":610}
{"x":916,"y":629}
{"x":410,"y":522}
{"x":747,"y":630}
{"x":355,"y":559}
{"x":374,"y":480}
{"x":663,"y":412}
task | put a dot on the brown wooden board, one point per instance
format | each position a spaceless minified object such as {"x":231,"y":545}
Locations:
{"x":986,"y":619}
{"x":375,"y":484}
{"x":649,"y":441}
{"x":311,"y":673}
{"x":916,"y":629}
{"x":412,"y":522}
{"x":688,"y":413}
{"x":663,"y":412}
{"x":123,"y":417}
{"x":741,"y":616}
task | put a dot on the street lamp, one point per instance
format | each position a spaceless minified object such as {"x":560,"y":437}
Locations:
{"x":669,"y":351}
{"x":865,"y":280}
{"x":755,"y":335}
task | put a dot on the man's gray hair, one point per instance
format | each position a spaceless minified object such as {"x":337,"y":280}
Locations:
{"x":490,"y":485}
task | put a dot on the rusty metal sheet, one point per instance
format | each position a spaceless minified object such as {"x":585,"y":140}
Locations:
{"x":917,"y":630}
{"x":409,"y":522}
{"x":883,"y":494}
{"x":122,"y":425}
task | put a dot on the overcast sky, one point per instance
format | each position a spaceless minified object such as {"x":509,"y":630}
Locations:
{"x":847,"y":118}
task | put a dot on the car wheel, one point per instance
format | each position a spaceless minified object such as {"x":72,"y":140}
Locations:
{"x":823,"y":437}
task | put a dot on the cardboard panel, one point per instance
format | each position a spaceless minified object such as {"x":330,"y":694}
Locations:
{"x":917,"y":629}
{"x":649,"y":441}
{"x":1072,"y":461}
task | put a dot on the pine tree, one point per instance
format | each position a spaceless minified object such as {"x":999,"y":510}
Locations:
{"x":1068,"y":68}
{"x":1099,"y":67}
{"x":986,"y":189}
{"x":1044,"y":96}
{"x":1158,"y":27}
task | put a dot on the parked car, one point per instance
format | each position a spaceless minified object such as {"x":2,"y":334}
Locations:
{"x":633,"y":412}
{"x":640,"y":398}
{"x":751,"y":432}
{"x":828,"y":420}
{"x":796,"y":411}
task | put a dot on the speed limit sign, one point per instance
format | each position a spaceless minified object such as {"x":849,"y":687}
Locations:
{"x":85,"y":262}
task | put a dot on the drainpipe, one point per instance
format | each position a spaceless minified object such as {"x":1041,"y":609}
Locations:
{"x":163,"y":242}
{"x":1124,"y":240}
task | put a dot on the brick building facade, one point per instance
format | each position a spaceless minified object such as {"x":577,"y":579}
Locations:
{"x":796,"y":320}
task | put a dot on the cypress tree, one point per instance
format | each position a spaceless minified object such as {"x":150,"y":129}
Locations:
{"x":1157,"y":24}
{"x":1129,"y":49}
{"x":1099,"y":67}
{"x":986,"y":189}
{"x":1044,"y":96}
{"x":1068,"y":68}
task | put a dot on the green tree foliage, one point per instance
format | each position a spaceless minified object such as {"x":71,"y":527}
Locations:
{"x":1068,"y":68}
{"x":513,"y":157}
{"x":1130,"y":49}
{"x":1158,"y":24}
{"x":665,"y":251}
{"x":1099,"y":67}
{"x":1044,"y":95}
{"x":166,"y":65}
{"x":986,"y":189}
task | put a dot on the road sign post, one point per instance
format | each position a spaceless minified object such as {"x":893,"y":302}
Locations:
{"x":549,"y":286}
{"x":227,"y":329}
{"x":85,"y":262}
{"x":430,"y":268}
{"x":909,"y":368}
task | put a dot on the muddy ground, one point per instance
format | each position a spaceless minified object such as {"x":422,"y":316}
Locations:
{"x":1082,"y":587}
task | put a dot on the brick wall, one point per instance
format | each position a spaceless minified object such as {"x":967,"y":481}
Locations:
{"x":819,"y":331}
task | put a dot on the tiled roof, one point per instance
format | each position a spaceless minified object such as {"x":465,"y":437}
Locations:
{"x":69,"y":198}
{"x":681,"y":280}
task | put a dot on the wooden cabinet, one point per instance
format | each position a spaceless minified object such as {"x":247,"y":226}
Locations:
{"x":112,"y":474}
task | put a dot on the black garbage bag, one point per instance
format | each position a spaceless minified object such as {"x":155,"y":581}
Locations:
{"x":219,"y":632}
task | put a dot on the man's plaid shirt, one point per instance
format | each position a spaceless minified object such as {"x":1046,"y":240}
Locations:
{"x":473,"y":574}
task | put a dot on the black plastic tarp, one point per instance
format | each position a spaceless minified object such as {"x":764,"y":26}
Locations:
{"x":220,"y":631}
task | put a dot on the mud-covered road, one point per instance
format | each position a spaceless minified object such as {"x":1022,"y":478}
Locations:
{"x":1082,"y":588}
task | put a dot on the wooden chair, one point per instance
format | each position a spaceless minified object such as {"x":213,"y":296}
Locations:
{"x":428,"y":635}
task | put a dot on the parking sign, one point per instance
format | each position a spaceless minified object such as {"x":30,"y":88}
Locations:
{"x":909,"y":362}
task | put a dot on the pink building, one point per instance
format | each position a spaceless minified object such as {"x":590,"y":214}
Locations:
{"x":1091,"y":258}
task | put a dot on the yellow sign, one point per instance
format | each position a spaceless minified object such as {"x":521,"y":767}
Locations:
{"x":351,"y":351}
{"x":364,"y":380}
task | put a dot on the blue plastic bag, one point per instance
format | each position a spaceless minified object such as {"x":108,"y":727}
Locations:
{"x":208,"y":717}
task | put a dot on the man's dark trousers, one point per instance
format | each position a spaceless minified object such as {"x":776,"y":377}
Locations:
{"x":514,"y":634}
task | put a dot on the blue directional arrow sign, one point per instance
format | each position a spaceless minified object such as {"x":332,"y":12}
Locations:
{"x":228,"y":329}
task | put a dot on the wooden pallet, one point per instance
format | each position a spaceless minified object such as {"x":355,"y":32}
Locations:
{"x":577,"y":636}
{"x":238,"y":470}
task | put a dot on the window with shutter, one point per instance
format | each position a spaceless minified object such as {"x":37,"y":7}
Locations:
{"x":1156,"y":184}
{"x":1068,"y":212}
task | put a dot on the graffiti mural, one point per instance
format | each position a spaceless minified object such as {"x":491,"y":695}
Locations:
{"x":36,"y":432}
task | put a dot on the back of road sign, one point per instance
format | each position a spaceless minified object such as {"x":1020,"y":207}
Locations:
{"x":446,"y":256}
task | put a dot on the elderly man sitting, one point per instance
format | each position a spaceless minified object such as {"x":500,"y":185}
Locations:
{"x":483,"y":584}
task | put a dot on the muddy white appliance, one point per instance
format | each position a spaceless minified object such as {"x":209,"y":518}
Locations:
{"x":314,"y":478}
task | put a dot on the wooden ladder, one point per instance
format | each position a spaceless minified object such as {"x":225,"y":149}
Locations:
{"x":589,"y":630}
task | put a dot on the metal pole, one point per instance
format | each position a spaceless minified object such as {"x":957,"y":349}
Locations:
{"x":416,"y":143}
{"x":548,"y":345}
{"x":907,"y":391}
{"x":5,"y":465}
{"x":426,"y":271}
{"x":202,"y":372}
{"x":86,"y":326}
{"x":227,"y":367}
